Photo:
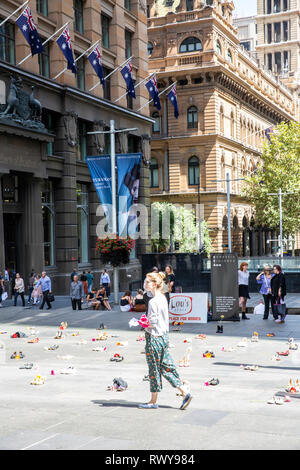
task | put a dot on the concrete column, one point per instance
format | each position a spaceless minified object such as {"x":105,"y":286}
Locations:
{"x":32,"y":228}
{"x":2,"y":247}
{"x":66,"y":202}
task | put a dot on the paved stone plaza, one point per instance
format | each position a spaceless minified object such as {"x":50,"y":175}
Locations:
{"x":77,"y":412}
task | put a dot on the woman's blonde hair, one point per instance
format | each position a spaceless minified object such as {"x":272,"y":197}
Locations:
{"x":157,"y":279}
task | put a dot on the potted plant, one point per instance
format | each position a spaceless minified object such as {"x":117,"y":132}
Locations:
{"x":115,"y":251}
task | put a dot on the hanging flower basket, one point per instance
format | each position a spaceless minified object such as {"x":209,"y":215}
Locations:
{"x":115,"y":251}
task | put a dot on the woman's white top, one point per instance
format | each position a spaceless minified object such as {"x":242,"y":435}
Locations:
{"x":158,"y":315}
{"x":19,"y":285}
{"x":243,"y":277}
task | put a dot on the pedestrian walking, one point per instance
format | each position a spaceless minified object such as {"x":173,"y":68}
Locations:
{"x":45,"y":283}
{"x":74,"y":273}
{"x":159,"y":360}
{"x":170,"y":277}
{"x":83,"y":279}
{"x":37,"y":292}
{"x":105,"y":281}
{"x":243,"y":279}
{"x":90,"y":279}
{"x":30,"y":287}
{"x":19,"y":289}
{"x":278,"y":287}
{"x":1,"y":289}
{"x":76,"y":293}
{"x":264,"y":279}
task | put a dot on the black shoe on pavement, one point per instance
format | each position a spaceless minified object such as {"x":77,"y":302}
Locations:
{"x":244,"y":317}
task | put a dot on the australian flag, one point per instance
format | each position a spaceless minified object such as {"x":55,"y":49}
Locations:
{"x":151,"y":86}
{"x":96,"y":62}
{"x":126,"y":71}
{"x":65,"y":44}
{"x":28,"y":28}
{"x":172,"y":95}
{"x":268,"y":133}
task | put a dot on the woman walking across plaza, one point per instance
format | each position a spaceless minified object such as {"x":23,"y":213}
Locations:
{"x":264,"y":279}
{"x":159,"y":360}
{"x":243,"y":278}
{"x":19,"y":289}
{"x":278,"y":287}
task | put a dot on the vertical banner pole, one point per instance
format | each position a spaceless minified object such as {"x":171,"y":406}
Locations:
{"x":228,"y":211}
{"x":280,"y":223}
{"x":114,"y":202}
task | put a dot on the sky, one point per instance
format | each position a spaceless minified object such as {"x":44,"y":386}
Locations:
{"x":245,"y":8}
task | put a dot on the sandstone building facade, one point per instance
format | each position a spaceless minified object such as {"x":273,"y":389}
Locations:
{"x":47,"y":200}
{"x":226,"y":101}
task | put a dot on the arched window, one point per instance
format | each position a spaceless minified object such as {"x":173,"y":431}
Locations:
{"x":154,"y":180}
{"x":190,"y":45}
{"x":150,"y":48}
{"x":222,"y":120}
{"x":189,"y":5}
{"x":193,"y":171}
{"x":218,"y":47}
{"x":229,"y":56}
{"x":232,"y":124}
{"x":192,"y":117}
{"x":156,"y":124}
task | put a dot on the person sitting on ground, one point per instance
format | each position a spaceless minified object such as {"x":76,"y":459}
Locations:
{"x":126,"y":302}
{"x":139,"y":304}
{"x":92,"y":301}
{"x":102,"y":298}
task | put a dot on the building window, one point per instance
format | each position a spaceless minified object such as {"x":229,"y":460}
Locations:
{"x":286,"y":62}
{"x":128,"y":44}
{"x":229,"y":56}
{"x":277,"y":32}
{"x":285,"y":31}
{"x":269,"y":33}
{"x":81,"y":141}
{"x":246,"y":45}
{"x":82,"y":223}
{"x":285,"y":5}
{"x":276,"y":6}
{"x":150,"y":48}
{"x":189,"y":5}
{"x":192,"y":117}
{"x":48,"y":212}
{"x":80,"y":76}
{"x":270,"y":65}
{"x":269,"y":6}
{"x":278,"y":62}
{"x":127,"y":5}
{"x":218,"y":47}
{"x":232,"y":124}
{"x":107,"y":89}
{"x":222,"y":120}
{"x":129,"y":99}
{"x":105,"y":22}
{"x":7,"y":42}
{"x":44,"y":61}
{"x":193,"y":166}
{"x":49,"y":120}
{"x":78,"y":16}
{"x":156,"y":124}
{"x":42,"y":7}
{"x":190,"y":45}
{"x":154,"y":180}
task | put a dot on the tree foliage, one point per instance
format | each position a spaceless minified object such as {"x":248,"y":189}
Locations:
{"x":280,"y":168}
{"x":183,"y":227}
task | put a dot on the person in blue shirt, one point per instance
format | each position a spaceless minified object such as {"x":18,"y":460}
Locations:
{"x":45,"y":282}
{"x":264,"y":279}
{"x":105,"y":281}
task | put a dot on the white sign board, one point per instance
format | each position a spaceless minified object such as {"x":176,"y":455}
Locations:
{"x":188,"y":308}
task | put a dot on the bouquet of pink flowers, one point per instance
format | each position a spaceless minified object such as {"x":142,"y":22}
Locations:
{"x":143,"y":321}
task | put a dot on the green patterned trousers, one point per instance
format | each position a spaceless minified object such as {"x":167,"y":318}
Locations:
{"x":160,"y":362}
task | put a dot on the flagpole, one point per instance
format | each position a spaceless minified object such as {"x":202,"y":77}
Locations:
{"x":14,"y":12}
{"x":78,"y":58}
{"x":135,"y":86}
{"x":107,"y":76}
{"x":148,"y":102}
{"x":45,"y":42}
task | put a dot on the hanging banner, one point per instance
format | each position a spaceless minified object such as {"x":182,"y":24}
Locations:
{"x":224,"y":285}
{"x":100,"y":169}
{"x":129,"y":167}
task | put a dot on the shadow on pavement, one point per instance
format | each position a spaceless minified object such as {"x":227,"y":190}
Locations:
{"x":124,"y":404}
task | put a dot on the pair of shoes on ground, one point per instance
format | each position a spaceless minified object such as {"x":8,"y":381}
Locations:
{"x":283,"y":353}
{"x":293,"y":387}
{"x":292,"y":345}
{"x":28,"y":365}
{"x":33,"y":340}
{"x":253,"y":367}
{"x":117,"y":358}
{"x":51,"y":348}
{"x":17,"y":356}
{"x":69,"y":370}
{"x":200,"y":336}
{"x":279,"y":400}
{"x":209,"y":354}
{"x":212,"y":382}
{"x":100,"y":349}
{"x":38,"y":380}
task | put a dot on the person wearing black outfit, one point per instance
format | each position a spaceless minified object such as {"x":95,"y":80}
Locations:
{"x":278,"y":287}
{"x":171,"y":278}
{"x":76,"y":293}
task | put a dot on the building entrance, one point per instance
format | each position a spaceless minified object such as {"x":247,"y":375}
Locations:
{"x":12,"y":241}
